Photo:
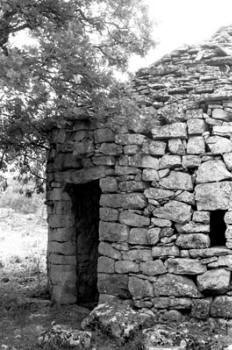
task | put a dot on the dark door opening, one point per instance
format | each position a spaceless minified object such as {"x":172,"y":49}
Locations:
{"x":217,"y":228}
{"x":85,"y":207}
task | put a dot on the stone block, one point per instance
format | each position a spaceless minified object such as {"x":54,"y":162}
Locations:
{"x":172,"y":303}
{"x":196,"y":145}
{"x":228,"y":217}
{"x":125,"y":201}
{"x":58,"y":259}
{"x":84,"y":175}
{"x":227,"y":157}
{"x":195,"y":240}
{"x":220,"y":114}
{"x":222,"y":261}
{"x":221,"y":307}
{"x":130,"y":218}
{"x":153,"y":268}
{"x":158,"y":193}
{"x":131,"y":186}
{"x":176,"y":146}
{"x":109,"y":214}
{"x":174,"y":211}
{"x":191,"y":161}
{"x":163,"y":173}
{"x":63,"y":234}
{"x":131,"y":149}
{"x":212,"y":171}
{"x":106,"y":249}
{"x":219,"y":145}
{"x":126,"y":267}
{"x":63,"y":274}
{"x":108,"y":184}
{"x":140,"y":288}
{"x":177,"y":180}
{"x":58,"y":194}
{"x":110,"y":149}
{"x":209,"y":252}
{"x":214,"y":281}
{"x":196,"y":126}
{"x":138,"y":236}
{"x":193,"y":227}
{"x":113,"y":284}
{"x":175,"y":285}
{"x":83,"y":148}
{"x":154,"y":148}
{"x":113,"y":232}
{"x":129,"y":139}
{"x":170,"y":131}
{"x":153,"y":235}
{"x":161,"y":222}
{"x":137,"y":255}
{"x":170,"y":251}
{"x":104,"y":160}
{"x":126,"y":170}
{"x":103,"y":135}
{"x":63,"y":294}
{"x":170,"y":161}
{"x":213,"y":196}
{"x":105,"y":265}
{"x":150,"y":175}
{"x":185,"y":266}
{"x":64,"y":248}
{"x":149,"y":162}
{"x":201,"y":217}
{"x":201,"y":308}
{"x":222,"y":130}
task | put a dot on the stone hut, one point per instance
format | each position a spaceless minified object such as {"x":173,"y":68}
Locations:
{"x":143,"y":210}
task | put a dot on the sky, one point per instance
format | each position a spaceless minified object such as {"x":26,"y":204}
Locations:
{"x":179,"y":22}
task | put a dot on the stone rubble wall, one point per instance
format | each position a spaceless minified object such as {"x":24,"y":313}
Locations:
{"x":158,"y":189}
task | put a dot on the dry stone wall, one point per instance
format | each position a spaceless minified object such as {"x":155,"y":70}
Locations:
{"x":161,"y":177}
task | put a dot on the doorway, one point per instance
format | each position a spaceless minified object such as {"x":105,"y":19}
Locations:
{"x":217,"y":228}
{"x":85,"y":208}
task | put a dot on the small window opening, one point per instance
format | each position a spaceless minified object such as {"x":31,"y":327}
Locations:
{"x":217,"y":228}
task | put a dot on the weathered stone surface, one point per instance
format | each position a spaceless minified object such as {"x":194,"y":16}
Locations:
{"x":137,"y":255}
{"x":106,"y":249}
{"x":131,"y":186}
{"x":176,"y":146}
{"x":228,"y":218}
{"x":165,"y":335}
{"x":113,"y":284}
{"x":228,"y":235}
{"x":126,"y":266}
{"x":103,"y":135}
{"x":132,"y":219}
{"x":219,"y":113}
{"x":126,"y":170}
{"x":138,"y":236}
{"x":65,"y":248}
{"x":227,"y":157}
{"x":150,"y":175}
{"x":221,"y":307}
{"x":153,"y":268}
{"x":212,"y":171}
{"x":192,"y":227}
{"x":170,"y":161}
{"x":161,"y":222}
{"x":155,"y":148}
{"x":177,"y":181}
{"x":222,"y":261}
{"x":125,"y":201}
{"x":186,"y":197}
{"x":153,"y":235}
{"x":196,"y":145}
{"x":84,"y":175}
{"x":185,"y":266}
{"x":109,"y":214}
{"x":105,"y":265}
{"x":113,"y":232}
{"x":83,"y":148}
{"x":196,"y":126}
{"x":131,"y":149}
{"x":195,"y":240}
{"x":172,"y":303}
{"x":129,"y":139}
{"x":110,"y":149}
{"x":217,"y":280}
{"x":150,"y":162}
{"x":57,"y":259}
{"x":60,"y":221}
{"x":63,"y":234}
{"x":104,"y":160}
{"x":201,"y":308}
{"x":108,"y":184}
{"x":219,"y":145}
{"x":174,"y":211}
{"x":158,"y":252}
{"x":158,"y":193}
{"x":213,"y":196}
{"x":140,"y":288}
{"x":222,"y":130}
{"x":191,"y":161}
{"x":201,"y":216}
{"x":209,"y":252}
{"x":175,"y":130}
{"x":175,"y":285}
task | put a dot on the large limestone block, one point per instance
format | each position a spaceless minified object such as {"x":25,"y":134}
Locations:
{"x":175,"y":285}
{"x":209,"y":252}
{"x":140,"y":288}
{"x":126,"y":266}
{"x":108,"y":214}
{"x":196,"y":145}
{"x":222,"y":261}
{"x":185,"y":266}
{"x":84,"y":175}
{"x":108,"y":184}
{"x":201,"y":216}
{"x":131,"y":186}
{"x":212,"y":171}
{"x":150,"y":175}
{"x":219,"y":113}
{"x":170,"y":131}
{"x":129,"y":139}
{"x":132,"y":219}
{"x":125,"y":201}
{"x":138,"y":236}
{"x":192,"y":227}
{"x":149,"y":162}
{"x":158,"y":193}
{"x":153,"y":268}
{"x":191,"y":161}
{"x":213,"y":196}
{"x":193,"y":240}
{"x":113,"y":232}
{"x":170,"y":161}
{"x":177,"y":180}
{"x":222,"y":130}
{"x":113,"y":284}
{"x":174,"y":211}
{"x":217,"y":280}
{"x":105,"y":265}
{"x":176,"y":146}
{"x":169,"y":251}
{"x":106,"y":249}
{"x":137,"y":255}
{"x":196,"y":126}
{"x":219,"y":145}
{"x":221,"y":307}
{"x":155,"y":148}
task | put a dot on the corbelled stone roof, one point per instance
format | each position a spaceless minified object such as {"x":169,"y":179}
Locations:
{"x":187,"y":79}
